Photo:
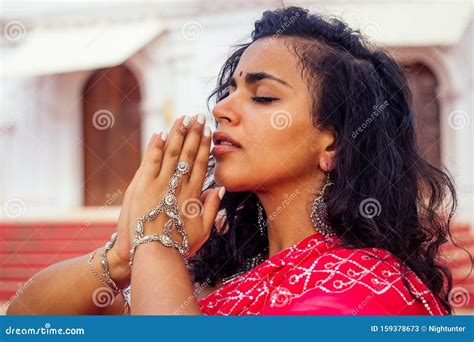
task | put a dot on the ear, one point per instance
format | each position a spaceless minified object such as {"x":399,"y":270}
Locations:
{"x":326,"y":159}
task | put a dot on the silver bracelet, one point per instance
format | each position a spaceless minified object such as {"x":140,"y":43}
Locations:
{"x":107,"y":280}
{"x":105,"y":265}
{"x":168,"y":205}
{"x":91,"y":267}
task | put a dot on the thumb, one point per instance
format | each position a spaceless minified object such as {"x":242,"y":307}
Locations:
{"x":212,"y":200}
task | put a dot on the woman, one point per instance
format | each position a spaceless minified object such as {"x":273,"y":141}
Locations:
{"x":316,"y":200}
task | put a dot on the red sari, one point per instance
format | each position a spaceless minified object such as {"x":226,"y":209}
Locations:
{"x":320,"y":277}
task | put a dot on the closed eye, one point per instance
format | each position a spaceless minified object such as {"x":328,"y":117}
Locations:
{"x":261,"y":99}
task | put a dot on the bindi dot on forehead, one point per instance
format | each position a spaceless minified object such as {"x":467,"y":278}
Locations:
{"x":240,"y":73}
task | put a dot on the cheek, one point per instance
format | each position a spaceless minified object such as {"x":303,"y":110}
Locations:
{"x":273,"y":153}
{"x":287,"y":152}
{"x":279,"y":154}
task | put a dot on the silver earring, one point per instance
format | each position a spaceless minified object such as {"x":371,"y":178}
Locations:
{"x":262,"y":223}
{"x":319,"y":213}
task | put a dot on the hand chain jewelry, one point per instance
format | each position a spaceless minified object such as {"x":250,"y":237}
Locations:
{"x":169,"y":206}
{"x":108,"y":281}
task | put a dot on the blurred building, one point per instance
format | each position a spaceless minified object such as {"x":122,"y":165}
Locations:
{"x":84,"y":85}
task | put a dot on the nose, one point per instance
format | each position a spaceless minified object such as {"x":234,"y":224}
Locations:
{"x":226,"y":110}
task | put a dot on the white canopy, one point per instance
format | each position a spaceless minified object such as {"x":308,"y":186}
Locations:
{"x":52,"y":50}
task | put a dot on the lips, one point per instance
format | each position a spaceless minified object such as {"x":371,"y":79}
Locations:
{"x":224,"y":139}
{"x":224,"y":143}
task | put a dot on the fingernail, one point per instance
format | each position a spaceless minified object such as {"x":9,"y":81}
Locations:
{"x":221,"y":192}
{"x":186,"y":121}
{"x":201,"y":118}
{"x":164,"y":136}
{"x":207,"y":131}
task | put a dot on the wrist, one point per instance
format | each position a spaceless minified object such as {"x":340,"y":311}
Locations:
{"x":119,"y":269}
{"x":157,"y":251}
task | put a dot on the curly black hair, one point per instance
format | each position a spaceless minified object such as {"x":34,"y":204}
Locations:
{"x":351,"y":82}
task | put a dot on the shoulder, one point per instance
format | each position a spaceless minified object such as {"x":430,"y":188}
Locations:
{"x":343,"y":281}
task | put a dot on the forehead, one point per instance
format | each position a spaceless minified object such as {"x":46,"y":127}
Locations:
{"x":271,"y":55}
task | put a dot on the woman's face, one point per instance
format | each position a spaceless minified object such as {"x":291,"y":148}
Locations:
{"x":268,"y":112}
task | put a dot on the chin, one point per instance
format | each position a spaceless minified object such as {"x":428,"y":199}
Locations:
{"x":232,"y":180}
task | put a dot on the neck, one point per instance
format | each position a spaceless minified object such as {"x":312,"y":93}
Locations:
{"x":288,"y":210}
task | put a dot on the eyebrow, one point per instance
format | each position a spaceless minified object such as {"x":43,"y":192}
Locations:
{"x":254,"y":77}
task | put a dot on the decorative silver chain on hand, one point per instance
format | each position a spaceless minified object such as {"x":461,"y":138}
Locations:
{"x":169,"y":206}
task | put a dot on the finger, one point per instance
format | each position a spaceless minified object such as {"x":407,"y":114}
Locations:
{"x":192,"y":143}
{"x":123,"y":217}
{"x":173,"y":146}
{"x":151,"y":166}
{"x":124,"y":213}
{"x":211,"y":206}
{"x":205,"y":194}
{"x":200,"y":166}
{"x":148,"y":148}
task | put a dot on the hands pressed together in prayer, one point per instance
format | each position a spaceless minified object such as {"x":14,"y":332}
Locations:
{"x":188,"y":141}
